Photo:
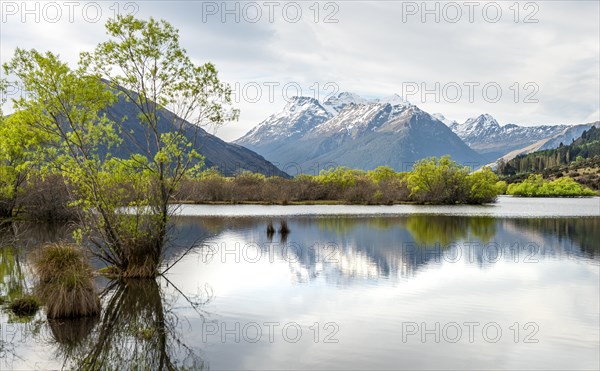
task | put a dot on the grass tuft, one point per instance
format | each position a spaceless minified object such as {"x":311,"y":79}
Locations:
{"x":270,"y":228}
{"x":65,"y":282}
{"x":284,"y":229}
{"x":53,"y":260}
{"x":25,"y":306}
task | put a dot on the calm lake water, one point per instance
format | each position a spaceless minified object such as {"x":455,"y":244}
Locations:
{"x":515,"y":285}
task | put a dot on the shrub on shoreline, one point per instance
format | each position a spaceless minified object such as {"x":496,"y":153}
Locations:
{"x":536,"y":186}
{"x":434,"y":181}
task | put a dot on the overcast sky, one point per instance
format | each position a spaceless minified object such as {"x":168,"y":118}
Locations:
{"x":522,"y":62}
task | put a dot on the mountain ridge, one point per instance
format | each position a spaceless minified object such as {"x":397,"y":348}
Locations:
{"x":229,"y":158}
{"x":485,"y":135}
{"x":349,"y":130}
{"x":308,"y":133}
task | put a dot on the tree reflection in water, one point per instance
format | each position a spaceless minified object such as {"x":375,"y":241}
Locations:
{"x":427,"y":230}
{"x":137,"y":329}
{"x":12,"y":278}
{"x":582,"y":231}
{"x":443,"y":230}
{"x":13,"y":283}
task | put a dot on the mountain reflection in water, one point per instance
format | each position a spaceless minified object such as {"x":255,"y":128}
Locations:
{"x":154,"y":323}
{"x":395,"y":246}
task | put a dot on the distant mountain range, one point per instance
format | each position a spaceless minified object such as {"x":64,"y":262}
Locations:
{"x":493,"y":141}
{"x":487,"y":137}
{"x":346,"y":129}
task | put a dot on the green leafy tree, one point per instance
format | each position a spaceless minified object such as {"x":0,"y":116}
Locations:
{"x":501,"y":187}
{"x":483,"y":186}
{"x":536,"y":186}
{"x":21,"y":153}
{"x":144,"y":64}
{"x":65,"y":106}
{"x":383,"y":173}
{"x":443,"y":181}
{"x":341,"y":176}
{"x":439,"y":181}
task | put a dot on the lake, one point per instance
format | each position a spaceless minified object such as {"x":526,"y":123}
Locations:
{"x":515,"y":285}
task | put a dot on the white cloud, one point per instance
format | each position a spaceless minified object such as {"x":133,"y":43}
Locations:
{"x":370,"y":51}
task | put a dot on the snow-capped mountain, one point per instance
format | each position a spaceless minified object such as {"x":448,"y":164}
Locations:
{"x":486,"y":136}
{"x":476,"y":127}
{"x":381,"y":134}
{"x":337,"y":103}
{"x":353,"y":131}
{"x":299,"y":116}
{"x":395,"y":100}
{"x":355,"y":119}
{"x":445,"y":120}
{"x":347,"y":129}
{"x":565,"y":137}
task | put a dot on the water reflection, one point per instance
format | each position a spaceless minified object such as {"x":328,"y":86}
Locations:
{"x":148,"y":324}
{"x":137,"y":327}
{"x":12,"y":278}
{"x":27,"y":235}
{"x":387,"y":247}
{"x":446,"y":229}
{"x":70,"y":335}
{"x":283,"y":230}
{"x":371,"y":275}
{"x":584,"y":233}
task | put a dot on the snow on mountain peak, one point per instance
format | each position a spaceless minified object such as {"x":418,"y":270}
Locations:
{"x":394,"y":100}
{"x":480,"y":125}
{"x":483,"y":133}
{"x":349,"y":98}
{"x":337,"y":103}
{"x":446,"y":121}
{"x":298,"y":116}
{"x":300,"y":101}
{"x":485,"y":119}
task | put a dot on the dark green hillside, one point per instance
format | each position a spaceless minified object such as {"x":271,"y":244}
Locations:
{"x":580,"y":160}
{"x":229,"y":158}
